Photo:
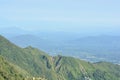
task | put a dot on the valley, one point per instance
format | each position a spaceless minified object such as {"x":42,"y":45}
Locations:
{"x":92,"y":48}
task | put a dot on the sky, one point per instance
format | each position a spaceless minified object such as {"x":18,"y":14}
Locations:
{"x":61,"y":15}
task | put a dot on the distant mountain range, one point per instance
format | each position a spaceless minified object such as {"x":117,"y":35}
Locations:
{"x":92,"y":48}
{"x":18,"y":63}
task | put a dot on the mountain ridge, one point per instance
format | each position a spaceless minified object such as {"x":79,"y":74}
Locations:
{"x":38,"y":63}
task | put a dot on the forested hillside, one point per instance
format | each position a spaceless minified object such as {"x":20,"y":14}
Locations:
{"x":8,"y":71}
{"x":31,"y":62}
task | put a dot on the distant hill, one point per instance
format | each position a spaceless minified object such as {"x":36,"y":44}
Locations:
{"x":36,"y":63}
{"x":104,"y":47}
{"x":12,"y":31}
{"x":27,"y":40}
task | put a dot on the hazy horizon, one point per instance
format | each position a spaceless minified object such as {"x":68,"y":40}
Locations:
{"x":85,"y":17}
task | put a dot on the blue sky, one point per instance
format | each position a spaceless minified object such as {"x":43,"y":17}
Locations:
{"x":61,"y":15}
